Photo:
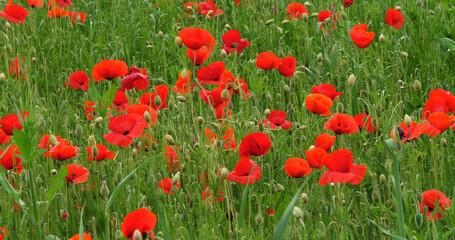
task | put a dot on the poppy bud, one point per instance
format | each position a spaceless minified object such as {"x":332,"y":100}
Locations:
{"x":351,"y":80}
{"x":79,"y":129}
{"x":137,"y":235}
{"x":227,"y":26}
{"x":315,"y":14}
{"x":340,"y":107}
{"x":297,"y":212}
{"x":160,"y":35}
{"x":5,"y":36}
{"x":382,"y":179}
{"x":224,"y":173}
{"x":311,"y":147}
{"x":53,"y":172}
{"x":259,"y":219}
{"x":95,"y":151}
{"x":8,"y":25}
{"x":319,"y":58}
{"x":169,"y":139}
{"x":53,"y":140}
{"x":285,"y":21}
{"x":64,"y":214}
{"x":2,"y":77}
{"x":91,"y":140}
{"x":104,"y":191}
{"x":261,"y":127}
{"x":92,"y":127}
{"x":370,"y":175}
{"x":223,"y":53}
{"x":134,"y":153}
{"x":150,"y":46}
{"x":279,"y":188}
{"x":154,"y":146}
{"x":158,"y":101}
{"x":304,"y":197}
{"x":189,"y":9}
{"x":209,"y":13}
{"x":398,"y":8}
{"x":200,"y":120}
{"x":308,"y":4}
{"x":417,"y":85}
{"x":98,"y":120}
{"x":404,"y":54}
{"x":179,"y":42}
{"x":400,"y":82}
{"x":444,"y":142}
{"x":269,"y":22}
{"x":407,"y":120}
{"x":381,"y":38}
{"x":286,"y":88}
{"x":280,"y":30}
{"x":267,"y":112}
{"x":33,"y":59}
{"x":176,"y":178}
{"x":431,"y":12}
{"x":225,"y":94}
{"x":147,"y":116}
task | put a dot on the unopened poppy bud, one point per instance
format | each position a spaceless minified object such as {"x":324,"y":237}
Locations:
{"x":400,"y":82}
{"x":382,"y":179}
{"x":154,"y":146}
{"x":340,"y":107}
{"x":95,"y":151}
{"x":267,"y":112}
{"x":407,"y":120}
{"x":79,"y":129}
{"x":431,"y":12}
{"x":304,"y":197}
{"x":261,"y":127}
{"x":259,"y":219}
{"x":189,"y":9}
{"x":176,"y":178}
{"x":169,"y":139}
{"x":242,"y":55}
{"x":224,"y":173}
{"x":351,"y":80}
{"x":404,"y":54}
{"x":134,"y":153}
{"x":444,"y":142}
{"x":319,"y":58}
{"x":398,"y":8}
{"x":286,"y":88}
{"x":223,"y":53}
{"x":381,"y":38}
{"x":181,"y":98}
{"x":147,"y":116}
{"x":200,"y":120}
{"x":98,"y":120}
{"x":91,"y":140}
{"x":279,"y":188}
{"x":227,"y":26}
{"x":303,"y":127}
{"x":297,"y":212}
{"x":215,"y":125}
{"x":311,"y":147}
{"x":417,"y":85}
{"x":315,"y":14}
{"x":178,"y":41}
{"x":53,"y":140}
{"x":209,"y":13}
{"x":285,"y":21}
{"x":150,"y":46}
{"x":225,"y":94}
{"x":137,"y":235}
{"x":53,"y":172}
{"x":305,"y":17}
{"x":269,"y":22}
{"x":2,"y":77}
{"x":34,"y":59}
{"x":160,"y":34}
{"x":104,"y":191}
{"x":8,"y":25}
{"x":5,"y":36}
{"x":280,"y":30}
{"x":370,"y":175}
{"x":158,"y":101}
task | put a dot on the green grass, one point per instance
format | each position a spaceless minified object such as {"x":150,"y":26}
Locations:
{"x":128,"y":31}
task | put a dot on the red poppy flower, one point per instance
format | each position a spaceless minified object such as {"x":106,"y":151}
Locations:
{"x":297,"y":167}
{"x":4,"y":138}
{"x":431,"y":198}
{"x":64,"y":3}
{"x":326,"y":89}
{"x":10,"y":122}
{"x":14,"y":13}
{"x":172,"y":158}
{"x":268,"y":61}
{"x":270,"y":212}
{"x":319,"y":104}
{"x":434,"y":104}
{"x":394,"y":18}
{"x":243,"y":170}
{"x":147,"y":139}
{"x":136,"y":78}
{"x":35,"y":3}
{"x":79,"y":80}
{"x":437,"y":123}
{"x":215,"y":100}
{"x":277,"y":119}
{"x":149,"y":98}
{"x":120,"y":101}
{"x":449,"y":99}
{"x":211,"y":137}
{"x":77,"y":173}
{"x":341,"y":123}
{"x":124,"y":129}
{"x":109,"y":69}
{"x":230,"y":82}
{"x":228,"y":138}
{"x":195,"y":38}
{"x":208,"y":6}
{"x":287,"y":66}
{"x":103,"y":153}
{"x":10,"y":161}
{"x":4,"y":234}
{"x":142,"y":220}
{"x":315,"y":156}
{"x":16,"y":65}
{"x":199,"y":56}
{"x":296,"y":10}
{"x":211,"y":74}
{"x":325,"y":141}
{"x":254,"y":144}
{"x":56,"y":12}
{"x":140,"y":109}
{"x":46,"y":143}
{"x":364,"y":122}
{"x":232,"y":37}
{"x":341,"y":168}
{"x":77,"y":17}
{"x":166,"y":185}
{"x":183,"y":85}
{"x":62,"y":151}
{"x":323,"y":15}
{"x":89,"y":111}
{"x":77,"y":237}
{"x":347,"y":3}
{"x":415,"y":130}
{"x":207,"y":193}
{"x":360,"y":36}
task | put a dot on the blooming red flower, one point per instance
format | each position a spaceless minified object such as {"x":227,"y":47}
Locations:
{"x":297,"y":167}
{"x":14,"y":69}
{"x":438,"y":122}
{"x":394,"y":18}
{"x":207,"y":193}
{"x":341,"y":123}
{"x":341,"y":168}
{"x":136,"y":78}
{"x":149,"y":98}
{"x":103,"y":153}
{"x":89,"y":111}
{"x":4,"y":234}
{"x":439,"y":101}
{"x":315,"y":156}
{"x":270,"y":211}
{"x":10,"y":122}
{"x":244,"y":167}
{"x":10,"y":160}
{"x":448,"y":98}
{"x":433,"y":199}
{"x":120,"y":101}
{"x":230,"y":82}
{"x":347,"y":3}
{"x":287,"y":66}
{"x":140,"y":109}
{"x":79,"y":80}
{"x":254,"y":144}
{"x":325,"y":141}
{"x":208,"y":6}
{"x":232,"y":37}
{"x":228,"y":138}
{"x":183,"y":85}
{"x":62,"y":151}
{"x":4,"y":138}
{"x":212,"y":74}
{"x":85,"y":235}
{"x":46,"y":143}
{"x":64,"y":3}
{"x":326,"y":89}
{"x":407,"y":134}
{"x":166,"y":185}
{"x":124,"y":129}
{"x":142,"y":220}
{"x":14,"y":13}
{"x":268,"y":61}
{"x":215,"y":100}
{"x":35,"y":3}
{"x":172,"y":158}
{"x":319,"y":104}
{"x":77,"y":173}
{"x":364,"y":122}
{"x":360,"y":36}
{"x":56,"y":12}
{"x":323,"y":15}
{"x":296,"y":10}
{"x":199,"y":56}
{"x":195,"y":38}
{"x":109,"y":69}
{"x":77,"y":17}
{"x":277,"y":119}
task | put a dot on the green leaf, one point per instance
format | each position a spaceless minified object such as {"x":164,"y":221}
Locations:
{"x":9,"y":189}
{"x":93,"y":92}
{"x":81,"y":224}
{"x":449,"y":43}
{"x":257,"y":84}
{"x":386,"y":232}
{"x":23,"y":144}
{"x":109,"y":96}
{"x":57,"y":183}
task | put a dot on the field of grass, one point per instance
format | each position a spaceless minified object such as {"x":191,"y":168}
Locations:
{"x":388,"y":80}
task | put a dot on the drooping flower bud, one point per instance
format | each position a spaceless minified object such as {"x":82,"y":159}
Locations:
{"x":178,"y":41}
{"x":297,"y":212}
{"x":169,"y":139}
{"x":224,"y":173}
{"x":351,"y":80}
{"x":137,"y":235}
{"x":304,"y":197}
{"x":104,"y":191}
{"x":407,"y":120}
{"x":176,"y":178}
